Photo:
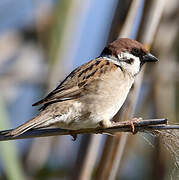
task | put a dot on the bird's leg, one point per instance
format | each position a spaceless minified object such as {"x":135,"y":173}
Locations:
{"x":108,"y":124}
{"x":134,"y":120}
{"x":130,"y":123}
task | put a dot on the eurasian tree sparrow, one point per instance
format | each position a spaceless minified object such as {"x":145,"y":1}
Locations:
{"x":93,"y":93}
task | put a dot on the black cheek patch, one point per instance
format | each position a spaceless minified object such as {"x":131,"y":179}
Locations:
{"x":129,"y":61}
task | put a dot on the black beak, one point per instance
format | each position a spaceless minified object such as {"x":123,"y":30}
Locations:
{"x":149,"y":58}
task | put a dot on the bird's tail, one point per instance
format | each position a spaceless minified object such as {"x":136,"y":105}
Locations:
{"x":33,"y":123}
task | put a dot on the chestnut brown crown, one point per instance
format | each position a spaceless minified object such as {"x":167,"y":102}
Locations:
{"x":128,"y":45}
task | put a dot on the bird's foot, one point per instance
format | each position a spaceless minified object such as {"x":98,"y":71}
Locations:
{"x":132,"y":122}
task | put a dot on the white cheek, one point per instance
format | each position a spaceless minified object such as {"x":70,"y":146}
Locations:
{"x":136,"y":66}
{"x":132,"y":68}
{"x":136,"y":63}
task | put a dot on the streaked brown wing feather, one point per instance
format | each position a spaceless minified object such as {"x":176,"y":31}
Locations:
{"x":60,"y":96}
{"x":75,"y":82}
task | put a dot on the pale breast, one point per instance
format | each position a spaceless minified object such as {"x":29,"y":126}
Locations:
{"x":110,"y":93}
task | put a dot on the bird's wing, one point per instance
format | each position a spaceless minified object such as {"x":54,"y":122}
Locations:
{"x":79,"y":79}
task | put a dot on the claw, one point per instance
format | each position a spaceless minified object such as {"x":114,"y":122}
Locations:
{"x":132,"y":127}
{"x":134,"y":120}
{"x":74,"y":137}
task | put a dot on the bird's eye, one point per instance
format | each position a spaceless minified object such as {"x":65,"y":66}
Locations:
{"x":136,"y":51}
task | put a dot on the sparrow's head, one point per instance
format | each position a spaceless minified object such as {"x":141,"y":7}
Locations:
{"x":128,"y":54}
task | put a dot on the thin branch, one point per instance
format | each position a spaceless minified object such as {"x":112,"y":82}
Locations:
{"x":140,"y":126}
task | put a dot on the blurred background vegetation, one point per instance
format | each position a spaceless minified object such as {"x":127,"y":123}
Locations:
{"x":42,"y":41}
